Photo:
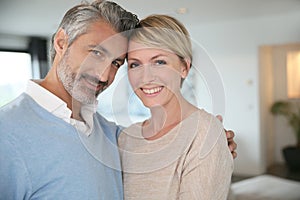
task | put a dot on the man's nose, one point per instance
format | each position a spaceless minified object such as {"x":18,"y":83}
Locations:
{"x":104,"y":71}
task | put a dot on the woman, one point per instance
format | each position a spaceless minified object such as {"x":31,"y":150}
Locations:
{"x":181,"y":152}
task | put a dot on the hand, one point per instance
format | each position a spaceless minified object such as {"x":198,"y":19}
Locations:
{"x":230,"y":135}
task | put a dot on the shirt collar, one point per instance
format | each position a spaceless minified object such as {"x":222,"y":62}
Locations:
{"x":53,"y":104}
{"x":46,"y":99}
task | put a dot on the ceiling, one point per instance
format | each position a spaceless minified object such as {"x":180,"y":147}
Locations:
{"x":41,"y":17}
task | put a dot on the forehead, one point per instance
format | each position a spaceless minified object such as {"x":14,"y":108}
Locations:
{"x":137,"y":48}
{"x":101,"y":34}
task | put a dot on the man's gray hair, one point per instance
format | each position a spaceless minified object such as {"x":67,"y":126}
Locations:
{"x":77,"y":20}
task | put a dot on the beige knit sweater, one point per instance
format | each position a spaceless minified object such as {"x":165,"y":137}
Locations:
{"x":192,"y":161}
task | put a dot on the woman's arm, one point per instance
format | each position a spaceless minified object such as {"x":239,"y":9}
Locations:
{"x":207,"y":173}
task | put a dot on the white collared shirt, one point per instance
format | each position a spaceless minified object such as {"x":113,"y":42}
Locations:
{"x":54,"y":105}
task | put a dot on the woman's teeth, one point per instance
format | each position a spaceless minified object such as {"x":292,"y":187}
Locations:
{"x":152,"y":90}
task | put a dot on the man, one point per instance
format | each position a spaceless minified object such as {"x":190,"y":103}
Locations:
{"x":42,"y":155}
{"x":53,"y":144}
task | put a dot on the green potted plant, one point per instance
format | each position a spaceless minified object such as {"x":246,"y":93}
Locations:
{"x":291,"y":111}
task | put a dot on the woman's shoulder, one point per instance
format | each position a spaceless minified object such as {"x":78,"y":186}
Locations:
{"x":204,"y":120}
{"x":130,"y":132}
{"x":133,"y":127}
{"x":211,"y":133}
{"x":205,"y":115}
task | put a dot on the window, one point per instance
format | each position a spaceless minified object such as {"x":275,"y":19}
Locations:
{"x":293,"y":74}
{"x":15,"y":70}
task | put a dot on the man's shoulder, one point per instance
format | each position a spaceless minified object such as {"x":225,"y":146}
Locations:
{"x":19,"y":113}
{"x":106,"y":124}
{"x":103,"y":120}
{"x":14,"y":106}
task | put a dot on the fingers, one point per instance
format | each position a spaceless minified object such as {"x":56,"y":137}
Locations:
{"x":220,"y":118}
{"x":229,"y":134}
{"x":231,"y":144}
{"x":234,"y":154}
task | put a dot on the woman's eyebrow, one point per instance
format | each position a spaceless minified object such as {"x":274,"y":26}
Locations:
{"x":157,"y":56}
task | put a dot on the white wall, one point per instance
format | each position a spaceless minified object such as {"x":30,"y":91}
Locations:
{"x":234,"y":47}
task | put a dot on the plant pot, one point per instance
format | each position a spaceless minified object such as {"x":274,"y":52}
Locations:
{"x":291,"y":155}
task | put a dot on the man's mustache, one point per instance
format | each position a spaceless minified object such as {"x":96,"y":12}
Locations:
{"x":104,"y":83}
{"x":94,"y":80}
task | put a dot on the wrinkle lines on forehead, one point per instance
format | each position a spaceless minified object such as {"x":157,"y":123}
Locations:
{"x":101,"y":36}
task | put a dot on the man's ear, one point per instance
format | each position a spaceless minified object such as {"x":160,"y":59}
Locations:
{"x":185,"y":68}
{"x":60,"y":42}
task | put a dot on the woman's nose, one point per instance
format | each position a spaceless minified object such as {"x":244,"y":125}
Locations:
{"x":148,"y":75}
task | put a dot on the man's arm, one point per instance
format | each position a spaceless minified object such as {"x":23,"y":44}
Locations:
{"x":15,"y":182}
{"x":230,"y":135}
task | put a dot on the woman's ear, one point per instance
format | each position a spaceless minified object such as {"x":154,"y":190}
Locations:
{"x":60,"y":42}
{"x":185,"y":68}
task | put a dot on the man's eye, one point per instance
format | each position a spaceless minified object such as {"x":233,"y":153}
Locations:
{"x":116,"y":64}
{"x":133,"y":65}
{"x":98,"y":53}
{"x":160,"y":62}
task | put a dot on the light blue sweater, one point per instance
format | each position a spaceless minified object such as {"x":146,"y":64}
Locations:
{"x":43,"y":157}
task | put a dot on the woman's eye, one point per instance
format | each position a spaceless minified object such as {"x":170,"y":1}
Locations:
{"x":133,"y":65}
{"x":160,"y":62}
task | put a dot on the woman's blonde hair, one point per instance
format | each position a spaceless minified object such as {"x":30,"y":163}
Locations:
{"x":166,"y":32}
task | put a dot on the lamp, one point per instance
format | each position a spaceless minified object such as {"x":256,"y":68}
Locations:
{"x":293,"y":74}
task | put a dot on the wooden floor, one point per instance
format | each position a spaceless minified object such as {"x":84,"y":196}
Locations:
{"x":282,"y":171}
{"x":279,"y":170}
{"x":237,"y":178}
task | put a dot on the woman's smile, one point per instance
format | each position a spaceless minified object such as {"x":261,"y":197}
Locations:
{"x":152,"y":91}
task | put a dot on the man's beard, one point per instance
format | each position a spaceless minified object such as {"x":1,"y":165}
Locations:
{"x":73,"y":83}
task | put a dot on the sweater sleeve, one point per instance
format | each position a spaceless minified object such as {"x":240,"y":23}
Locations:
{"x":14,"y":177}
{"x":207,"y":177}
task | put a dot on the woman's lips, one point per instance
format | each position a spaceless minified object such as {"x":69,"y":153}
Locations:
{"x":152,"y":91}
